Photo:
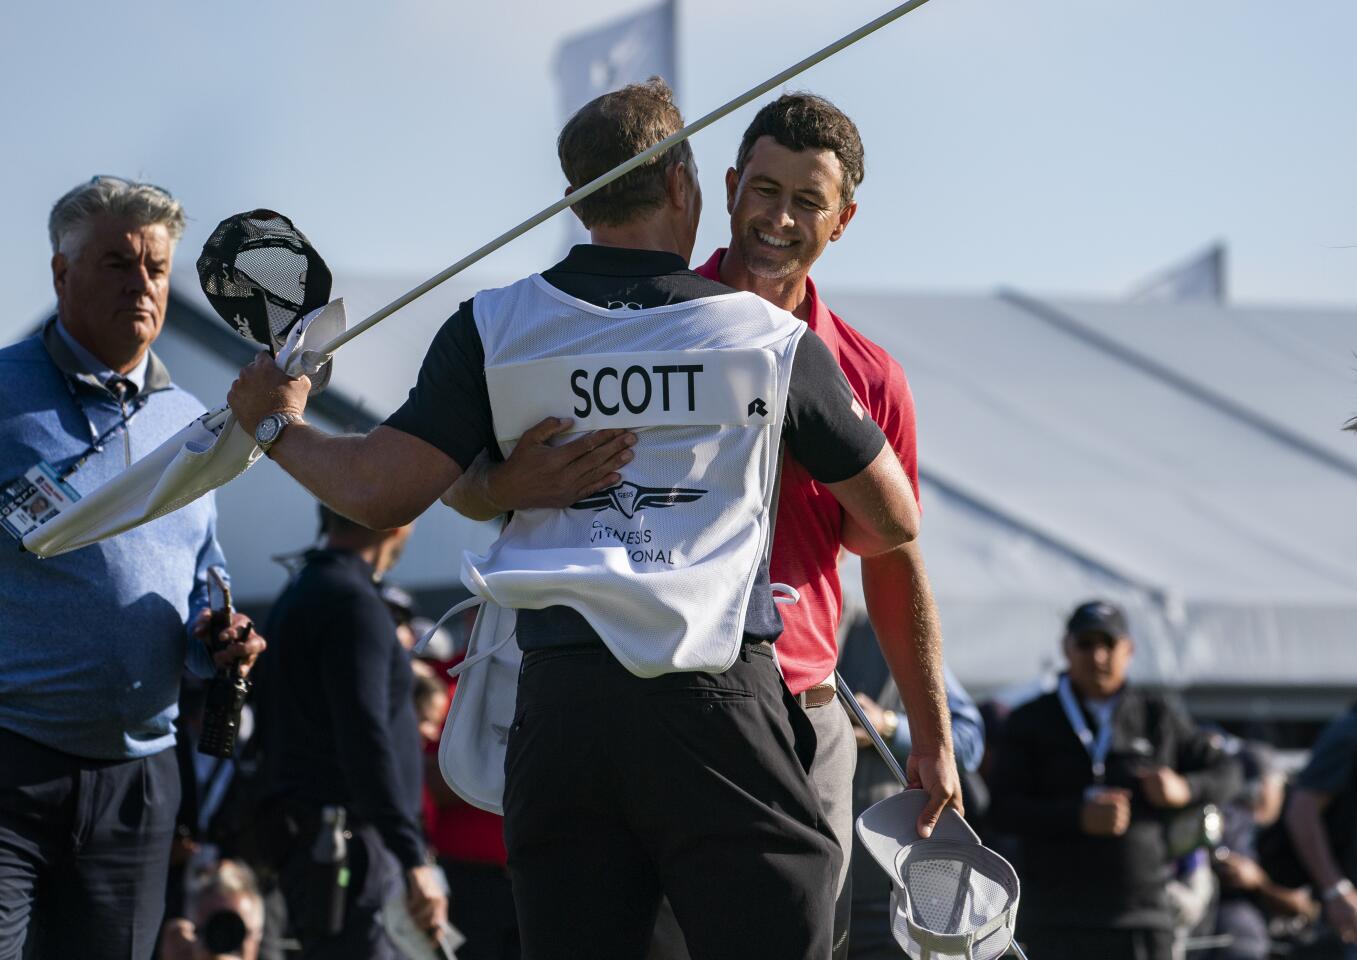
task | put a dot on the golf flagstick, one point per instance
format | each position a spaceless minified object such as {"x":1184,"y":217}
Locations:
{"x":313,"y":360}
{"x":850,"y":702}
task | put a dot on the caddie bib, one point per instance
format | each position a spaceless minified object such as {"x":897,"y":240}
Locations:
{"x":662,"y":564}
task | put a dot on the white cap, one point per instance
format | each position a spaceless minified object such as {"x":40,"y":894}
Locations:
{"x":951,"y":897}
{"x":886,"y":827}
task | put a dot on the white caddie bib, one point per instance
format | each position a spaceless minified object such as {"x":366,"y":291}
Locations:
{"x":662,"y":564}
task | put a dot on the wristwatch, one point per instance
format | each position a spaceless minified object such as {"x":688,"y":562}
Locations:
{"x":271,"y":428}
{"x":890,"y":722}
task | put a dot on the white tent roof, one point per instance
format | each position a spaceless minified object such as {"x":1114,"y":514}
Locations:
{"x":1187,"y":459}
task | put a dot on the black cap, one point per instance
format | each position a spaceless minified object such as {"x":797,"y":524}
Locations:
{"x":262,"y":275}
{"x":1097,"y":616}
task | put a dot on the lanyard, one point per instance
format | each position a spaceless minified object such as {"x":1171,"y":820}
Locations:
{"x":1097,"y":749}
{"x":97,"y":439}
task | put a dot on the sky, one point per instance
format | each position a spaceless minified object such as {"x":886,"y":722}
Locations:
{"x":1055,"y":146}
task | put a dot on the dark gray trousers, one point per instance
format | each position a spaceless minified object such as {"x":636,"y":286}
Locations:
{"x":689,"y":785}
{"x":84,"y":852}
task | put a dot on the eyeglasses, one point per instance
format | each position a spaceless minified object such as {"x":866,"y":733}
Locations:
{"x":130,"y":183}
{"x":1088,"y":642}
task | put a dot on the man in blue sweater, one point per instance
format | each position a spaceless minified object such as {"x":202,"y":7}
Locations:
{"x":93,"y":643}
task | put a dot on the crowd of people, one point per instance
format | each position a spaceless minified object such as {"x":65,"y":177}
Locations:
{"x":680,"y":779}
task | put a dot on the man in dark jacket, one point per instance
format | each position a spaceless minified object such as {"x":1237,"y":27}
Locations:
{"x":340,"y":730}
{"x":1090,"y":777}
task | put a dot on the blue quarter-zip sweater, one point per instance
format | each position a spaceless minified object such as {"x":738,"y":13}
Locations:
{"x":93,"y":642}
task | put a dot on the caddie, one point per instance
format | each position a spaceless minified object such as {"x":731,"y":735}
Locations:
{"x":656,"y":750}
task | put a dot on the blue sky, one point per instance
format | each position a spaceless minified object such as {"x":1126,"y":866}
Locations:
{"x":1060,"y":146}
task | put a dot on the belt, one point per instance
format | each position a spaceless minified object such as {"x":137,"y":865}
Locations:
{"x":816,"y":696}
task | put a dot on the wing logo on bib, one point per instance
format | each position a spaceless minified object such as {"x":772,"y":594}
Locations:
{"x":628,"y":498}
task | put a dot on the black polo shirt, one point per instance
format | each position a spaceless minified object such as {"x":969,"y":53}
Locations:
{"x":822,"y":430}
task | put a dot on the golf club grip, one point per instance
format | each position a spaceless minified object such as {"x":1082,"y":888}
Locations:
{"x":855,"y":708}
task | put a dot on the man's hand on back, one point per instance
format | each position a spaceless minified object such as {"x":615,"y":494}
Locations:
{"x":262,"y":389}
{"x":537,"y":474}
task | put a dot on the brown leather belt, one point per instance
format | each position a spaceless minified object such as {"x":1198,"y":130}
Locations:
{"x":816,"y":696}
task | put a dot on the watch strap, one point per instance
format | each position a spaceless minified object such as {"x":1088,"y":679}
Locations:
{"x":284,"y":419}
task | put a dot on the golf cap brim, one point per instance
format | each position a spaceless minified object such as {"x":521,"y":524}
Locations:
{"x":886,"y":827}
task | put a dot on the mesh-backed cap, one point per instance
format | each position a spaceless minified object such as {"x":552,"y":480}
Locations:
{"x":262,"y":275}
{"x":953,"y":901}
{"x":951,"y":897}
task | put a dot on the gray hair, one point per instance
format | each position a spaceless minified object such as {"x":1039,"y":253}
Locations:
{"x":143,"y":203}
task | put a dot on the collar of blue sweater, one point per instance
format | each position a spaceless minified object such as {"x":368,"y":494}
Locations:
{"x":78,"y":363}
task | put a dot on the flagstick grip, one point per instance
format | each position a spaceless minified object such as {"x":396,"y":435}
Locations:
{"x":621,"y":170}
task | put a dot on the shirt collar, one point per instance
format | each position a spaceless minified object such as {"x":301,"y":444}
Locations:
{"x":72,"y":359}
{"x":93,"y":365}
{"x":619,"y":261}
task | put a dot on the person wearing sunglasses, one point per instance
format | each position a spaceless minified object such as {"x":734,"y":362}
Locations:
{"x":1089,"y":778}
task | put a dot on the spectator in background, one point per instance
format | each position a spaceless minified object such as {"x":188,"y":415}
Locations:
{"x":468,"y":841}
{"x":93,"y":643}
{"x":340,"y":726}
{"x":1088,"y":778}
{"x":225,"y":917}
{"x":863,"y":668}
{"x":1322,"y":820}
{"x":1248,"y":895}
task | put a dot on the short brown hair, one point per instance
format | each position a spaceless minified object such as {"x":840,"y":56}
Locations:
{"x":610,"y":130}
{"x":803,"y":121}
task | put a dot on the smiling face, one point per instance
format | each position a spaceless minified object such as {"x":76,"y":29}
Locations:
{"x":785,"y":207}
{"x":113,"y":289}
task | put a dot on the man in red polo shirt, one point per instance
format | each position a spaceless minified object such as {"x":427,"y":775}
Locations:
{"x":789,"y":195}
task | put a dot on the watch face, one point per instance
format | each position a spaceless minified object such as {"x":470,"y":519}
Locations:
{"x":267,"y":429}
